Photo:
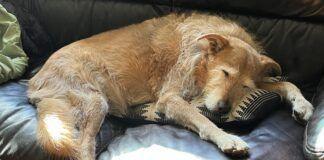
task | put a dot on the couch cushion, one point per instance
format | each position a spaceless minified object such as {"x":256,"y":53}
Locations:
{"x":18,"y":122}
{"x":314,"y":133}
{"x":67,"y":20}
{"x":306,"y":9}
{"x":277,"y":137}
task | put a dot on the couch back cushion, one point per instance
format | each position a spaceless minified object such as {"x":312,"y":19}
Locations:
{"x":291,"y":32}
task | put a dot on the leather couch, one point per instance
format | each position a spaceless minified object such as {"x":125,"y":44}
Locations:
{"x":292,"y":33}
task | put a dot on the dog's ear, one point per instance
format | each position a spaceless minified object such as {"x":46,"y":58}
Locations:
{"x":270,"y":68}
{"x":212,"y":43}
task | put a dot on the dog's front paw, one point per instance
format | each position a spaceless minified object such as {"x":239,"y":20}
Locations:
{"x":302,"y":110}
{"x":232,"y":145}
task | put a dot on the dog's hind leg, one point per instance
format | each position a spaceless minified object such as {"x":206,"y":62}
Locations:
{"x":302,"y":109}
{"x":180,"y":111}
{"x":93,"y":109}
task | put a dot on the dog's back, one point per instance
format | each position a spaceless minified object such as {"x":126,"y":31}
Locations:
{"x":136,"y":54}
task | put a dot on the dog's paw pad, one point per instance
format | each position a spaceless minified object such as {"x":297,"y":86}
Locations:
{"x":302,"y":111}
{"x":233,"y":145}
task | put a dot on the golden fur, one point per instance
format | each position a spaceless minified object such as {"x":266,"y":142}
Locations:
{"x":167,"y":60}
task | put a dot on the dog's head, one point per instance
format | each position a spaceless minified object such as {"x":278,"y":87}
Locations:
{"x":229,"y":69}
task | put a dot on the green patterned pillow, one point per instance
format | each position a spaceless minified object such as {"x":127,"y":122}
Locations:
{"x":254,"y":105}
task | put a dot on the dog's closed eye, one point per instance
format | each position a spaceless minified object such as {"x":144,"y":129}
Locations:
{"x":225,"y":73}
{"x":245,"y":87}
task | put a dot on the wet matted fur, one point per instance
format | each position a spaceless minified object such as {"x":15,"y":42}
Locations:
{"x":169,"y":61}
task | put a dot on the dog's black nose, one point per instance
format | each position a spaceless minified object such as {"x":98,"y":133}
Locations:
{"x":223,"y":107}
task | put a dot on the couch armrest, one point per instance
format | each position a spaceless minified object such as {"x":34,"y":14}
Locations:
{"x":314,"y":133}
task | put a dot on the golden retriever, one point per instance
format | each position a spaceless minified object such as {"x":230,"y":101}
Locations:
{"x":168,"y":60}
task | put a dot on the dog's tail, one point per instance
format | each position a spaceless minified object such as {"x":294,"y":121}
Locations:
{"x":55,"y":132}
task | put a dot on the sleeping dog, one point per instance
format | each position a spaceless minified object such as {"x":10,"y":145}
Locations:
{"x":168,"y":60}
